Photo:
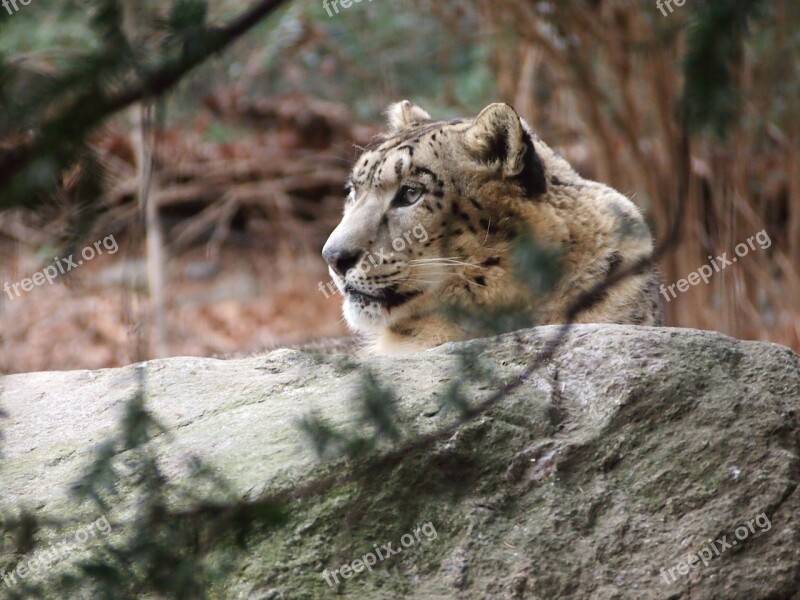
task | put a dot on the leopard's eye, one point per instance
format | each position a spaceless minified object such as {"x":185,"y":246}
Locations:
{"x":351,"y":195}
{"x":408,"y":195}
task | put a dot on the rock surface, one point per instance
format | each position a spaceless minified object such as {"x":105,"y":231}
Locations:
{"x":631,"y":450}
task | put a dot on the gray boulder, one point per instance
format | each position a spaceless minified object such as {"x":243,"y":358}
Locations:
{"x":638,"y":463}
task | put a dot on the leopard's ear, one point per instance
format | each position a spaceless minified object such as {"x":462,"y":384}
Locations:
{"x":499,"y":138}
{"x":405,"y":114}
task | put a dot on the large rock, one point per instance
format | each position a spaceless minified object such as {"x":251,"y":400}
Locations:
{"x":633,"y":449}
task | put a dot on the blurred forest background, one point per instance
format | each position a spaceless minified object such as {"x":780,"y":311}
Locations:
{"x":251,"y":151}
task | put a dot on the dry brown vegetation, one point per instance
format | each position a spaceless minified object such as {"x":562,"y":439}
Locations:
{"x":247,"y":215}
{"x":245,"y":223}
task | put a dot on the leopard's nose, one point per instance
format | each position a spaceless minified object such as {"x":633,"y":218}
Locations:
{"x":341,"y":261}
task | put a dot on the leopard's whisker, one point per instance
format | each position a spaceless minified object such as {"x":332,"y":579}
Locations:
{"x":435,"y":258}
{"x":440,"y":273}
{"x":444,"y":263}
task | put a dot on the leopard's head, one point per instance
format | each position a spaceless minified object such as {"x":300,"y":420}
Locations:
{"x":431,"y":209}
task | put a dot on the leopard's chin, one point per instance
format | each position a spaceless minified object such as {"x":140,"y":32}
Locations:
{"x":372,"y":313}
